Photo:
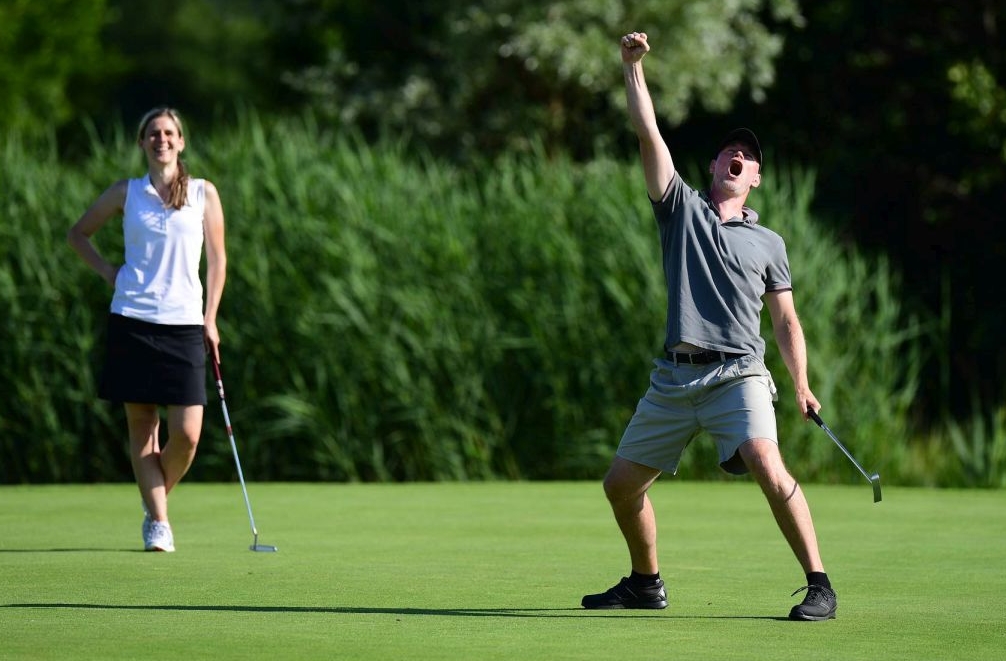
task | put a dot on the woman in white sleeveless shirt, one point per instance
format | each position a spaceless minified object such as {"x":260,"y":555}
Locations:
{"x":159,"y":328}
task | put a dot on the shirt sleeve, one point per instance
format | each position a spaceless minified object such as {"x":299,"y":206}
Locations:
{"x":777,"y":275}
{"x":678,"y":191}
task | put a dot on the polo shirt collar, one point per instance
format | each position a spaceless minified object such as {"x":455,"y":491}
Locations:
{"x":148,"y":186}
{"x":748,"y":215}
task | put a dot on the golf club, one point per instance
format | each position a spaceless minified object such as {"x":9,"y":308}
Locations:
{"x":264,"y":548}
{"x":873,"y":479}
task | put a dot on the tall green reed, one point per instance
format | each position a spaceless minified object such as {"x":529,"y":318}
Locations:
{"x":49,"y":330}
{"x":389,"y":316}
{"x":979,"y":444}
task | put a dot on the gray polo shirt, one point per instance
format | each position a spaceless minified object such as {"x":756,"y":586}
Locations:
{"x":716,"y":272}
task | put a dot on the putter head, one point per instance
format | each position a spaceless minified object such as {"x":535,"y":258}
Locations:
{"x":261,"y":548}
{"x":875,"y":481}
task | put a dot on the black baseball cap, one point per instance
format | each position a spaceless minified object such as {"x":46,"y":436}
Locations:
{"x":745,"y":137}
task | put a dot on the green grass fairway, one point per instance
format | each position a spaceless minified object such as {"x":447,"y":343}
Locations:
{"x":491,"y":571}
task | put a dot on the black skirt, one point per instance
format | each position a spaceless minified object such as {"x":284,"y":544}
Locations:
{"x":149,"y":363}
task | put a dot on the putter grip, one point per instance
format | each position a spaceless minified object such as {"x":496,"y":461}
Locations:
{"x":815,"y":417}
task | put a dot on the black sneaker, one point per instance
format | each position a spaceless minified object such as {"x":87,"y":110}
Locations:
{"x":820,"y":603}
{"x":627,"y":595}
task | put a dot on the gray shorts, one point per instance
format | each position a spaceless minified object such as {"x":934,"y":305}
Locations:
{"x":730,"y":400}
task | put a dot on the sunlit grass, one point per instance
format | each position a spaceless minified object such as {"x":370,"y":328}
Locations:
{"x":490,"y":571}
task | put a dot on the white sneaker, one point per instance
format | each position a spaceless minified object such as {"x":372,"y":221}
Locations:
{"x":160,"y":538}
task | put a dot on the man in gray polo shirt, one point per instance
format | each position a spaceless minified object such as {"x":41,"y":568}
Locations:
{"x":721,"y":266}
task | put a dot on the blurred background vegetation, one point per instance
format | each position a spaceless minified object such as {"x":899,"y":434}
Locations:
{"x":442,"y":260}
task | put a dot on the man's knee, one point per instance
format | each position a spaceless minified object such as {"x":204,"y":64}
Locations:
{"x":626,"y":480}
{"x":761,"y":455}
{"x":614,"y":488}
{"x":764,"y":460}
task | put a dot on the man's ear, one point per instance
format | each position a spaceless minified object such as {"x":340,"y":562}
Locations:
{"x":756,"y":180}
{"x":712,"y":166}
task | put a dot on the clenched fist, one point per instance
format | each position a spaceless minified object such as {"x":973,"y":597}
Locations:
{"x":634,"y":47}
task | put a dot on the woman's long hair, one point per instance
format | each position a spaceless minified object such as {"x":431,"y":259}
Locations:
{"x":180,"y":186}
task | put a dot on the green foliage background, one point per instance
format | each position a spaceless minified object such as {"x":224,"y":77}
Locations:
{"x":498,"y":110}
{"x":392,"y":317}
{"x":901,"y":107}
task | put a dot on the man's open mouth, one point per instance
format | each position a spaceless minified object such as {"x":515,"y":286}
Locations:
{"x":736,"y":167}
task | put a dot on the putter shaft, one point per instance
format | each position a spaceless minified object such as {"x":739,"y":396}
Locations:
{"x":237,"y":461}
{"x":873,"y":479}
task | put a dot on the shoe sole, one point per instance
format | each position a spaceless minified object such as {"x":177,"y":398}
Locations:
{"x":656,"y":605}
{"x":800,"y":617}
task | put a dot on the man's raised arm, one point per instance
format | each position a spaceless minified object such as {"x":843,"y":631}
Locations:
{"x":657,"y":164}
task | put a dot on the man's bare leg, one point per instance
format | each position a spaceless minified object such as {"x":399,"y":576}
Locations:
{"x":626,"y":485}
{"x":786,"y":499}
{"x":792,"y":514}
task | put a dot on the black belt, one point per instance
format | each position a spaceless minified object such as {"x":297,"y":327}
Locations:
{"x":700,"y":357}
